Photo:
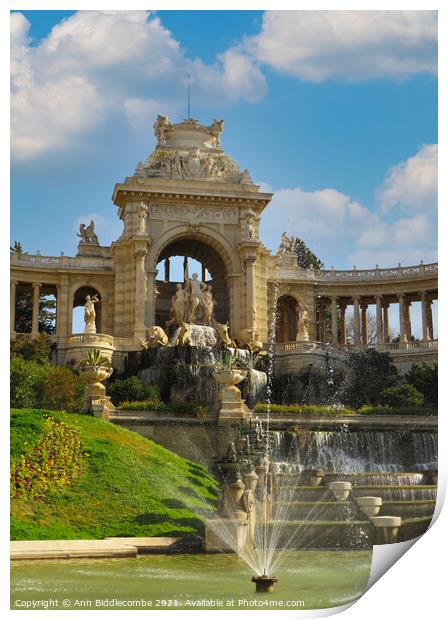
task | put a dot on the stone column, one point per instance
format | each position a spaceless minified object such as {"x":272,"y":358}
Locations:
{"x":151,"y":296}
{"x":425,"y":331}
{"x":322,"y":321}
{"x":334,"y":320}
{"x":250,"y":271}
{"x":140,"y":292}
{"x":407,"y":314}
{"x":364,"y":328}
{"x":379,"y":318}
{"x":204,"y":273}
{"x":342,"y":324}
{"x":356,"y":323}
{"x":429,"y":318}
{"x":36,"y":308}
{"x":403,"y":330}
{"x":386,"y":330}
{"x":167,"y":270}
{"x":12,"y":306}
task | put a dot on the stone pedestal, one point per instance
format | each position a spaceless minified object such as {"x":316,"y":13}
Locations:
{"x":226,"y":534}
{"x":230,"y":407}
{"x":94,"y":391}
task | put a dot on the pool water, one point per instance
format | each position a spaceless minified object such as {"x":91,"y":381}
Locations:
{"x":307,"y":580}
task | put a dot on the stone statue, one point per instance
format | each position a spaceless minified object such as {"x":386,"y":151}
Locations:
{"x":184,"y":337}
{"x":179,"y":306}
{"x":223,"y":333}
{"x":303,"y":323}
{"x":160,"y":128}
{"x":192,"y":303}
{"x":287,"y":243}
{"x":215,"y":130}
{"x":154,"y":337}
{"x":245,"y":178}
{"x":87,"y":234}
{"x":142,"y":212}
{"x":90,"y":314}
{"x":208,"y":304}
{"x":231,"y":456}
{"x":250,"y":225}
{"x":247,"y":339}
{"x":195,"y":290}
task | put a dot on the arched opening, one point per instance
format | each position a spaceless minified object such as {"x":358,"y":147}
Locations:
{"x":79,"y":300}
{"x":194,"y":256}
{"x":286,"y":319}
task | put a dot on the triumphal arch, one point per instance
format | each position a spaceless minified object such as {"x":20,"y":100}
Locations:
{"x":190,"y":199}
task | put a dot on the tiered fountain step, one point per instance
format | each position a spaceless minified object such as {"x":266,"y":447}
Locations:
{"x":397,"y":492}
{"x":329,"y":510}
{"x":322,"y":534}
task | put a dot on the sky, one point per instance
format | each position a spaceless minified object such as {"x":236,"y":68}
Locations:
{"x":333,"y":111}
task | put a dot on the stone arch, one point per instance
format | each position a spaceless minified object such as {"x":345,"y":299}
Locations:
{"x":286,"y":318}
{"x":210,"y":248}
{"x":205,"y":234}
{"x":78,"y":296}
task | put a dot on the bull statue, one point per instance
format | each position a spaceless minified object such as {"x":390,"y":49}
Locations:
{"x":223,"y":334}
{"x":154,"y":337}
{"x":246,"y":339}
{"x":184,"y":337}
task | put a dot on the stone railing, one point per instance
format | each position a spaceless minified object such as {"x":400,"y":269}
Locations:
{"x":91,"y":339}
{"x":367,"y":275}
{"x":284,"y":347}
{"x":59,"y":262}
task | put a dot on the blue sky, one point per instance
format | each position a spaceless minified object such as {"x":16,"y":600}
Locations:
{"x":342,"y":128}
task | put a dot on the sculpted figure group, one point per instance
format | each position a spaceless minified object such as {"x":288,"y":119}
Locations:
{"x":193,"y":304}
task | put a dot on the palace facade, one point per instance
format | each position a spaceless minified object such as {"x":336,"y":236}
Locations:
{"x":190,"y":199}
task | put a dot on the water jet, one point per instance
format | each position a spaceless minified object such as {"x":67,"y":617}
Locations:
{"x":264,"y":583}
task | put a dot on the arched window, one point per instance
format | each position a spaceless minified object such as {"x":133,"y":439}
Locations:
{"x":79,"y":300}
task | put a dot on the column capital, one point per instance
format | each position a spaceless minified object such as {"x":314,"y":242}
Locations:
{"x":378,"y":297}
{"x":356,"y":298}
{"x":36,"y":284}
{"x":401,"y":295}
{"x":250,"y":259}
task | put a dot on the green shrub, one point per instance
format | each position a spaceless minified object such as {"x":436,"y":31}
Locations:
{"x":178,"y":409}
{"x":53,"y":463}
{"x":37,"y":349}
{"x":26,"y":381}
{"x":143,"y":405}
{"x":62,"y":389}
{"x":304,"y":409}
{"x":372,"y":371}
{"x":194,"y":410}
{"x":425,"y":379}
{"x":131,"y":389}
{"x":424,"y":410}
{"x":405,"y":395}
{"x":43,"y":386}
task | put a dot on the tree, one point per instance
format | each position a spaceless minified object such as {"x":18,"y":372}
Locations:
{"x":372,"y":372}
{"x":24,"y":314}
{"x":425,"y":379}
{"x":371,"y":329}
{"x":305,"y":257}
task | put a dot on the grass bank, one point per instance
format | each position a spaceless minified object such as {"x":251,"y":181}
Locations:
{"x":127,"y":486}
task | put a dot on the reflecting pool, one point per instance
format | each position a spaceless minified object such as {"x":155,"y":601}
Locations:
{"x":307,"y":580}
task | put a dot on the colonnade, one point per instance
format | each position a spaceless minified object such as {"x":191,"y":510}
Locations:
{"x":338,"y":306}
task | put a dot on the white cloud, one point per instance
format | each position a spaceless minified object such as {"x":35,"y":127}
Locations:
{"x":412,"y":184}
{"x":352,"y":45}
{"x":342,"y":231}
{"x":96,"y":64}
